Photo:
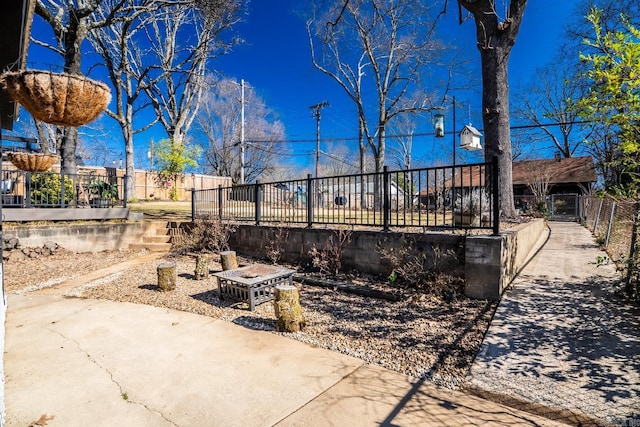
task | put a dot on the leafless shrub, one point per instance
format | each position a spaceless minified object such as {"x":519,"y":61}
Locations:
{"x":414,"y":268}
{"x":329,"y":258}
{"x":275,"y":248}
{"x":207,"y":235}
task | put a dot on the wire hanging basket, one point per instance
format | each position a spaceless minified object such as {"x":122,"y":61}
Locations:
{"x":31,"y":162}
{"x":61,"y":99}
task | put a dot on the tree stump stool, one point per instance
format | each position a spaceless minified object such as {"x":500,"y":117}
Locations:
{"x":202,"y":267}
{"x":288,"y":310}
{"x":167,"y":276}
{"x":228,"y":260}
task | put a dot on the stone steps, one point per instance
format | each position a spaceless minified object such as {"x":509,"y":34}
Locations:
{"x":159,"y":237}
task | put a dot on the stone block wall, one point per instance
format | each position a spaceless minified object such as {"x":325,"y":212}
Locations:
{"x":362,"y":253}
{"x":492,"y":262}
{"x":82,"y":237}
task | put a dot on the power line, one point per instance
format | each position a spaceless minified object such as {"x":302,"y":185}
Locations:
{"x":394,"y":136}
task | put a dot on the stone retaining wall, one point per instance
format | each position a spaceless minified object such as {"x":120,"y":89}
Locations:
{"x":491,"y":262}
{"x":488,"y":263}
{"x":81,"y":237}
{"x":362,"y":253}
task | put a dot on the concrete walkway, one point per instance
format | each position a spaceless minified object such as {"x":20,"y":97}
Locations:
{"x":79,"y":362}
{"x":561,"y":344}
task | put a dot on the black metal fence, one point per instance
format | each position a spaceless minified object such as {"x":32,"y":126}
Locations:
{"x":22,"y":189}
{"x":460,"y":197}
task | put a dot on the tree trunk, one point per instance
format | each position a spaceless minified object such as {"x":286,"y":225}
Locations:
{"x":129,"y":158}
{"x":495,"y":40}
{"x":495,"y":109}
{"x":287,"y":308}
{"x":167,"y":276}
{"x":228,"y":260}
{"x":68,"y":151}
{"x":43,"y":139}
{"x":202,"y":267}
{"x":73,"y":38}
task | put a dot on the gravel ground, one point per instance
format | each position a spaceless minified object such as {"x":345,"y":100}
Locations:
{"x":420,"y":335}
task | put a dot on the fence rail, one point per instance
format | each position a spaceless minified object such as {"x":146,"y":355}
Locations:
{"x":22,"y":189}
{"x":428,"y":198}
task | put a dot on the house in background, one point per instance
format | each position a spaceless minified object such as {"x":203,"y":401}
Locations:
{"x":557,"y":183}
{"x":573,"y":175}
{"x":558,"y":176}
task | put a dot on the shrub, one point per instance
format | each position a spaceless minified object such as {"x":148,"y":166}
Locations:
{"x":46,"y":189}
{"x":329,"y":259}
{"x":275,"y":248}
{"x":207,"y":235}
{"x":104,"y":190}
{"x":412,"y":268}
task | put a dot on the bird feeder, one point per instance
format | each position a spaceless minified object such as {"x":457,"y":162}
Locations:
{"x":470,"y":138}
{"x":438,"y":123}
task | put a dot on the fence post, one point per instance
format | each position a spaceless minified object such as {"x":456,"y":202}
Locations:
{"x":257,"y":199}
{"x":386,"y":203}
{"x":124,"y":191}
{"x":310,"y":194}
{"x":62,"y":185}
{"x":27,"y":191}
{"x":631,"y":261}
{"x":220,"y":201}
{"x":613,"y":211}
{"x":495,"y":184}
{"x":595,"y":225}
{"x":193,"y":205}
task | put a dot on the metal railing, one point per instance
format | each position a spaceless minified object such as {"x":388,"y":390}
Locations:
{"x":427,"y":198}
{"x":21,"y":189}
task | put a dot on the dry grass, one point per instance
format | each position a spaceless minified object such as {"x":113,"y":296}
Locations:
{"x":163,"y":209}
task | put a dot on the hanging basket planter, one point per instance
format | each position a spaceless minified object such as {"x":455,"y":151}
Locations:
{"x":32,"y":162}
{"x":60,"y":99}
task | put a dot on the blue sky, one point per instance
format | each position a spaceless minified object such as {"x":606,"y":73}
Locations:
{"x":275,"y":61}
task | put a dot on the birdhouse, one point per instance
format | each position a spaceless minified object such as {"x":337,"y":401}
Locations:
{"x":438,"y":123}
{"x":470,"y":138}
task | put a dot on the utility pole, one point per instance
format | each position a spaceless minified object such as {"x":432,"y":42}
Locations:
{"x":315,"y":111}
{"x":453,"y":132}
{"x":241,"y":131}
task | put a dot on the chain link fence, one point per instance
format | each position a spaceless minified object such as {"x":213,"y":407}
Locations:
{"x":612,"y":223}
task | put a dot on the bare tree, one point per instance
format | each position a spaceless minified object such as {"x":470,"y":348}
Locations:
{"x":612,"y":19}
{"x":71,"y":21}
{"x":538,"y":178}
{"x":496,"y":33}
{"x":91,"y":143}
{"x":338,"y":160}
{"x":287,"y":172}
{"x":133,"y":69}
{"x":548,"y":100}
{"x":402,"y":144}
{"x":377,"y":48}
{"x":119,"y":49}
{"x":182,"y":40}
{"x":219,"y":120}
